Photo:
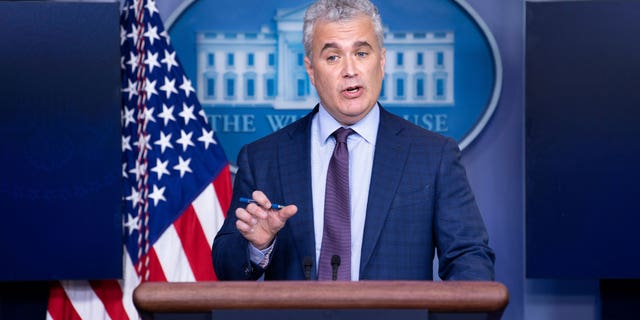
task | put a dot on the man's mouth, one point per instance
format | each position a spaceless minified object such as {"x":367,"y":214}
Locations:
{"x":352,"y":91}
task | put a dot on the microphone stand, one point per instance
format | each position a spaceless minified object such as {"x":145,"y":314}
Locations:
{"x":307,"y":262}
{"x":335,"y":263}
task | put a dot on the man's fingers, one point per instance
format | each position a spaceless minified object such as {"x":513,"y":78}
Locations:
{"x":256,"y":211}
{"x":243,"y":227}
{"x":246,"y":217}
{"x":261,"y":199}
{"x":287,"y":212}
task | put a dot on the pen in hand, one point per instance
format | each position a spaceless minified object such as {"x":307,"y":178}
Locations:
{"x":273,"y":205}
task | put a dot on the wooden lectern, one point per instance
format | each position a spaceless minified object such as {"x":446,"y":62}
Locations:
{"x":457,"y":297}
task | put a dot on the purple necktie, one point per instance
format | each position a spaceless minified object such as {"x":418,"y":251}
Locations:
{"x":336,"y":237}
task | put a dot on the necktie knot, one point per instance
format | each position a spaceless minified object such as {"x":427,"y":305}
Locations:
{"x":342,"y":133}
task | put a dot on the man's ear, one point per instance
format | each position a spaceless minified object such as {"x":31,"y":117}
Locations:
{"x":309,"y":67}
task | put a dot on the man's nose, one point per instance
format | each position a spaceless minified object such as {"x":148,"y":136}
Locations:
{"x":349,"y":68}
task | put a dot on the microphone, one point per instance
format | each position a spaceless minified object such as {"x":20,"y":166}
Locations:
{"x":335,"y":263}
{"x":307,"y":262}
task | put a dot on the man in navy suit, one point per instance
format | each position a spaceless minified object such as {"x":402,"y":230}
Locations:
{"x":408,"y":192}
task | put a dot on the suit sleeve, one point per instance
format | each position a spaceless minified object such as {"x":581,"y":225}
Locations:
{"x":230,"y":251}
{"x":460,"y":233}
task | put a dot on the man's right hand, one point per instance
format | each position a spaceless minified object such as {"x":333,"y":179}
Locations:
{"x":259,"y":223}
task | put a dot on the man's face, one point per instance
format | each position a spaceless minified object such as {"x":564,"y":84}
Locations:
{"x":347,"y":67}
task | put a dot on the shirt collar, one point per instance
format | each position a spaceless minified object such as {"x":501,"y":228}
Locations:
{"x":367,"y":127}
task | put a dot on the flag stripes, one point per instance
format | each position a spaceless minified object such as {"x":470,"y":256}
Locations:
{"x":106,"y":299}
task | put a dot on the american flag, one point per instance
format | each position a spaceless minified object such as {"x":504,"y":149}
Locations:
{"x":177,"y":185}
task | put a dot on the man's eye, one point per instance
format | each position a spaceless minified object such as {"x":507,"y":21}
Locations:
{"x":332,"y":58}
{"x":362,"y":54}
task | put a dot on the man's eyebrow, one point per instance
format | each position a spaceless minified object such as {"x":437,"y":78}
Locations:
{"x":329,"y":45}
{"x":357,"y":44}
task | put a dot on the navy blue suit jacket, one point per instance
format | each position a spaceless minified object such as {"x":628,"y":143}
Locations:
{"x":419,"y":200}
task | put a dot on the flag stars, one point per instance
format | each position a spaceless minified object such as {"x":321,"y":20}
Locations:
{"x":151,"y":7}
{"x":125,"y":12}
{"x":169,"y":87}
{"x":123,"y":35}
{"x":167,"y":114}
{"x":127,"y":117}
{"x":161,"y":168}
{"x":150,"y":88}
{"x":165,"y":35}
{"x":134,"y":197}
{"x":139,"y":170}
{"x":133,"y":34}
{"x":152,"y":61}
{"x":185,"y":140}
{"x":207,"y":138}
{"x":152,"y":33}
{"x":169,"y":60}
{"x":203,"y":115}
{"x":183,"y":166}
{"x":164,"y":142}
{"x":143,"y":142}
{"x":126,"y":145}
{"x":186,"y":86}
{"x":134,"y":5}
{"x":131,"y":88}
{"x":187,"y":113}
{"x":133,"y":61}
{"x":157,"y":195}
{"x":132,"y":224}
{"x":148,"y":114}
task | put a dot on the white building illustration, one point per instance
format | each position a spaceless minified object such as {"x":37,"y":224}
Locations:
{"x":266,"y":67}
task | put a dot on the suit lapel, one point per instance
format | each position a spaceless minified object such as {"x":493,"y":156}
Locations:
{"x":388,"y":164}
{"x":294,"y":152}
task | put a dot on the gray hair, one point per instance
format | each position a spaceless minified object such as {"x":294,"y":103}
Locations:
{"x":336,"y":10}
